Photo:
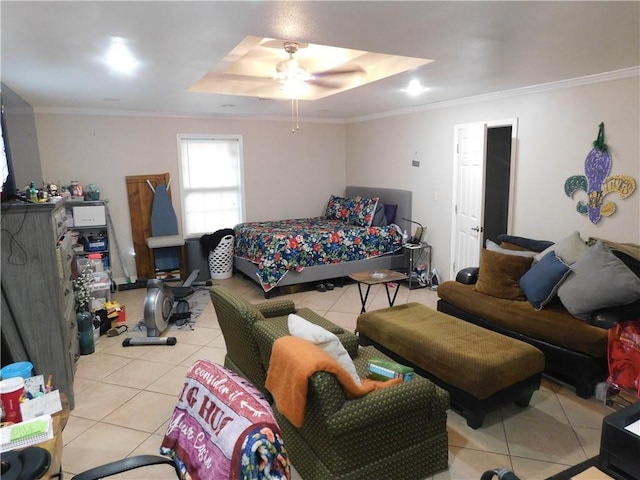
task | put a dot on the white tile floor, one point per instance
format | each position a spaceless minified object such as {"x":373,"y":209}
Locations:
{"x":125,"y":396}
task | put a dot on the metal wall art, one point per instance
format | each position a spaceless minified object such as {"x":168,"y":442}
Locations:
{"x":597,"y":182}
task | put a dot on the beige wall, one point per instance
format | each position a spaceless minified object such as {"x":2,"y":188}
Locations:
{"x":291,"y":175}
{"x":555,"y":131}
{"x":286,"y":175}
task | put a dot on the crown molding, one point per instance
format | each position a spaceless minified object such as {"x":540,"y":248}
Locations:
{"x":570,"y":83}
{"x":544,"y":87}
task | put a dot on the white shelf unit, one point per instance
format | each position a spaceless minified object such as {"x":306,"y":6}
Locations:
{"x":87,"y":222}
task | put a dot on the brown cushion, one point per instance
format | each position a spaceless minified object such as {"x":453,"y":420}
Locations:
{"x":552,"y":325}
{"x":467,"y":356}
{"x":499,"y":274}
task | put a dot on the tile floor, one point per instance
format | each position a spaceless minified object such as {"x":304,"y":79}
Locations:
{"x":125,"y":396}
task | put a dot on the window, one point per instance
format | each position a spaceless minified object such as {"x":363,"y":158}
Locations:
{"x":211,"y":183}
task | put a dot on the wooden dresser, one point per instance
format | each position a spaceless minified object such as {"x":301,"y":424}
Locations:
{"x":38,"y":307}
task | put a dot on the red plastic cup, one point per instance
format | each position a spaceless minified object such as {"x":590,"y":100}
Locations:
{"x":11,"y":391}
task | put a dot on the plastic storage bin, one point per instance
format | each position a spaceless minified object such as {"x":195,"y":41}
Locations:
{"x":196,"y":259}
{"x":95,"y":262}
{"x":18,"y":369}
{"x":221,"y":259}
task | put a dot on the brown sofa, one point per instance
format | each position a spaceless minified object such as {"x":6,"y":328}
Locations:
{"x":575,"y":349}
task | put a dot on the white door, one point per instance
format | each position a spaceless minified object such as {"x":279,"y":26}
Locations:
{"x":468,"y":195}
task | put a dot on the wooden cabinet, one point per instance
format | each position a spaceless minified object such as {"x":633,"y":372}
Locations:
{"x":140,"y":195}
{"x":38,"y":306}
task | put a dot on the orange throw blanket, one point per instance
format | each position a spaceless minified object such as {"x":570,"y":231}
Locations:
{"x":293,"y":361}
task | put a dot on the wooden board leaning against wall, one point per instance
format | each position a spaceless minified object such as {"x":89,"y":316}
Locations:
{"x":140,"y":197}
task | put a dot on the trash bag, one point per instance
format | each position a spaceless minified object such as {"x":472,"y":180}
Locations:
{"x":623,"y":354}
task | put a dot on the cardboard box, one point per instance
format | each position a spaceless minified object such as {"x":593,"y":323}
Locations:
{"x":89,"y":216}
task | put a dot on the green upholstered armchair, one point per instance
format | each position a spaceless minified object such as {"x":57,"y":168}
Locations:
{"x":396,"y":432}
{"x":237,"y":319}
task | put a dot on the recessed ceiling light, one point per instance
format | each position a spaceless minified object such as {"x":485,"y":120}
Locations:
{"x":119,"y":57}
{"x":415,"y":88}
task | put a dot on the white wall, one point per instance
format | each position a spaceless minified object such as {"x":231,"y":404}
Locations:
{"x":556,"y":129}
{"x":286,"y":175}
{"x":291,"y":175}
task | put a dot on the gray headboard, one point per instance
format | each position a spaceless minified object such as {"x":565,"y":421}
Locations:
{"x":390,"y":196}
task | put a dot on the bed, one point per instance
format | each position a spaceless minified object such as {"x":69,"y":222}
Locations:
{"x":285,"y":252}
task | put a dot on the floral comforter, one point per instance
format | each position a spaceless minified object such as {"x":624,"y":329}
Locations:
{"x":279,"y":246}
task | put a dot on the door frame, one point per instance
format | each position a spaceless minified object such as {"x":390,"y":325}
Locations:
{"x":509,"y":122}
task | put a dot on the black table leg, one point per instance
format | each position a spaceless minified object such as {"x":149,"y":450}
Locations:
{"x":363,"y":299}
{"x":391,"y":301}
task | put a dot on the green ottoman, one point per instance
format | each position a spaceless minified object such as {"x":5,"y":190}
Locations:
{"x":479,"y":368}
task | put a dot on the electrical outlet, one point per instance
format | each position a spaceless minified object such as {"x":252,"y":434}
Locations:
{"x":415,"y":163}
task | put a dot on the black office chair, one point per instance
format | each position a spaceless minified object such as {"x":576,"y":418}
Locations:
{"x":124,"y":465}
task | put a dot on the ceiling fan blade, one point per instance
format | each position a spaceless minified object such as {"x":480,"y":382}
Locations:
{"x":325,"y":83}
{"x":346,"y":70}
{"x":336,"y":77}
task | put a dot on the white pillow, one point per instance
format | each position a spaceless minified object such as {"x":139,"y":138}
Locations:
{"x":327,"y":341}
{"x":494,"y":247}
{"x":569,"y":249}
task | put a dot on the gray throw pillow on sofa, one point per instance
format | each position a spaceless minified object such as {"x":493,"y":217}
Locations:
{"x":569,"y":249}
{"x":598,"y":280}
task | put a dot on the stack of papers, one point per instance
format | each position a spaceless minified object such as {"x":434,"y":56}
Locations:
{"x":27,"y":433}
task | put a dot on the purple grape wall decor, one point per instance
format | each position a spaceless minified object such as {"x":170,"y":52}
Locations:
{"x":597,"y":182}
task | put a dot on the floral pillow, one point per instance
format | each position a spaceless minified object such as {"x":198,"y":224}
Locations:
{"x":362,"y":210}
{"x":338,"y":208}
{"x":356,"y":210}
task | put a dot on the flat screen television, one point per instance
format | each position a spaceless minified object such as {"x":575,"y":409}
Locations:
{"x":8,"y":175}
{"x":20,"y":158}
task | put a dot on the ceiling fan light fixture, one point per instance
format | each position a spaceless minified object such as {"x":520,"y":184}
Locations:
{"x":292,"y":76}
{"x":415,"y":88}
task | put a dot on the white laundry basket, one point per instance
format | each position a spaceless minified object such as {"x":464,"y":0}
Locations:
{"x":221,"y":259}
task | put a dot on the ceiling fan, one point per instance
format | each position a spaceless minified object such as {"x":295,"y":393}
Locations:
{"x":292,"y":75}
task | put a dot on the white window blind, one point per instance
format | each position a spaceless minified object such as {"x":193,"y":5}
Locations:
{"x":211,"y":183}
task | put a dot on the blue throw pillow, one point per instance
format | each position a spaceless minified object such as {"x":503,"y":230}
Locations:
{"x":542,"y":280}
{"x":390,"y":213}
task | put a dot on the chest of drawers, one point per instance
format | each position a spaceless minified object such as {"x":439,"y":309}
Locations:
{"x":38,"y":308}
